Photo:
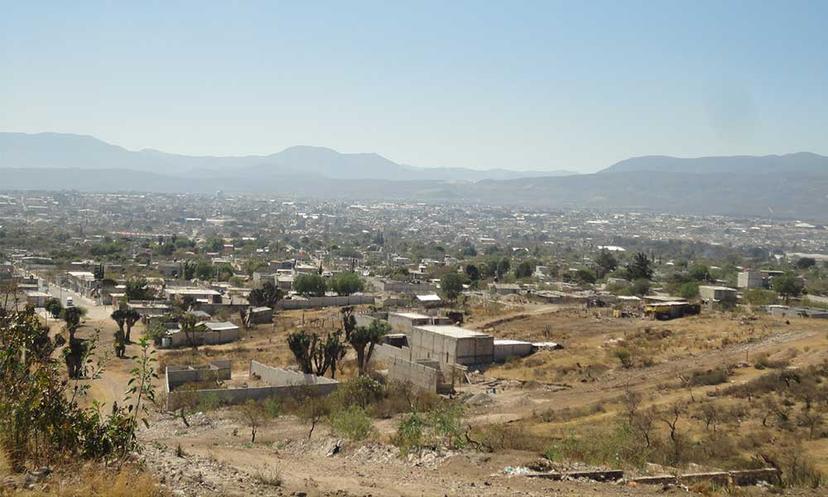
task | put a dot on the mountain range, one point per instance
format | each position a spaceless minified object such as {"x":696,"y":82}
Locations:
{"x":791,"y":185}
{"x":59,"y":150}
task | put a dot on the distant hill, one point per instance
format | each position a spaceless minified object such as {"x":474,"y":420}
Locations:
{"x":804,"y":162}
{"x":792,"y":185}
{"x":58,"y":150}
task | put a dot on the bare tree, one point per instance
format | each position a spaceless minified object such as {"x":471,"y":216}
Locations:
{"x":252,"y":415}
{"x":710,"y":415}
{"x":640,"y":420}
{"x":671,"y":419}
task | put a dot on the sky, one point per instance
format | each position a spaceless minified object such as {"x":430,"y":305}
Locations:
{"x":511,"y":84}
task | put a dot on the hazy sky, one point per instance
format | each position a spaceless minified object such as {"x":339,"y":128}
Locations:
{"x":520,"y":85}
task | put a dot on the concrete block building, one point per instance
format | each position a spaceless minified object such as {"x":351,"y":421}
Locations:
{"x":721,"y":294}
{"x":451,"y":345}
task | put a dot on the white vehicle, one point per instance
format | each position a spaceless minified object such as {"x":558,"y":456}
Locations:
{"x":70,"y":302}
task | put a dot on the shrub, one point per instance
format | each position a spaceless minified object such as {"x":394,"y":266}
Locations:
{"x":446,"y":420}
{"x":352,"y":423}
{"x":609,"y":445}
{"x":441,"y":426}
{"x":208,"y":402}
{"x":764,"y":362}
{"x":268,"y":476}
{"x":361,"y":391}
{"x":710,"y":377}
{"x":497,"y":437}
{"x":272,"y":407}
{"x":625,"y":356}
{"x":409,"y":434}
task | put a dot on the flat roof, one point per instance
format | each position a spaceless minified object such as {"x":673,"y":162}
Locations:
{"x":192,"y":291}
{"x":508,"y":341}
{"x":410,"y":315}
{"x":220,"y":325}
{"x":452,"y":331}
{"x":81,"y":274}
{"x":432,"y":297}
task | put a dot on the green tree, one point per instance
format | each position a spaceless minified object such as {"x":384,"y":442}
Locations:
{"x":364,"y":338}
{"x":605,"y":262}
{"x":131,"y":316}
{"x":585,"y":276}
{"x":214,"y":245}
{"x":189,"y":325}
{"x":119,"y":316}
{"x":805,"y":262}
{"x":788,"y":285}
{"x":641,"y":267}
{"x":310,"y":285}
{"x":40,"y":415}
{"x":699,"y":272}
{"x":759,"y":296}
{"x":137,"y":289}
{"x":204,"y":270}
{"x":223,"y":272}
{"x":347,"y":283}
{"x":54,"y":307}
{"x":469,"y":251}
{"x":72,"y":315}
{"x":299,"y":343}
{"x":473,"y":272}
{"x":503,"y":267}
{"x":451,"y":284}
{"x":640,"y":287}
{"x":268,"y":295}
{"x":524,"y":270}
{"x":689,"y":290}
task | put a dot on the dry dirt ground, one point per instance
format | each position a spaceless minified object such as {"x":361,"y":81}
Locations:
{"x":218,"y":459}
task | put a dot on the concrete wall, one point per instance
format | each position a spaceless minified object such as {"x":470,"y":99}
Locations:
{"x":216,"y":307}
{"x":316,"y":302}
{"x":474,"y":350}
{"x":285,"y":384}
{"x":180,"y":375}
{"x":503,"y":349}
{"x":402,"y":323}
{"x":364,"y":319}
{"x":260,"y":317}
{"x":750,"y":279}
{"x":179,"y":339}
{"x":451,"y":350}
{"x":279,"y":377}
{"x":717,"y":293}
{"x":383,"y":352}
{"x":419,"y":375}
{"x":423,"y":374}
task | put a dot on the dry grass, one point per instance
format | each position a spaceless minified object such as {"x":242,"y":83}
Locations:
{"x":94,"y":481}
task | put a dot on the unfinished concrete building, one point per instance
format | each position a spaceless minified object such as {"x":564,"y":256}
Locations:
{"x":451,"y":345}
{"x":403,"y":322}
